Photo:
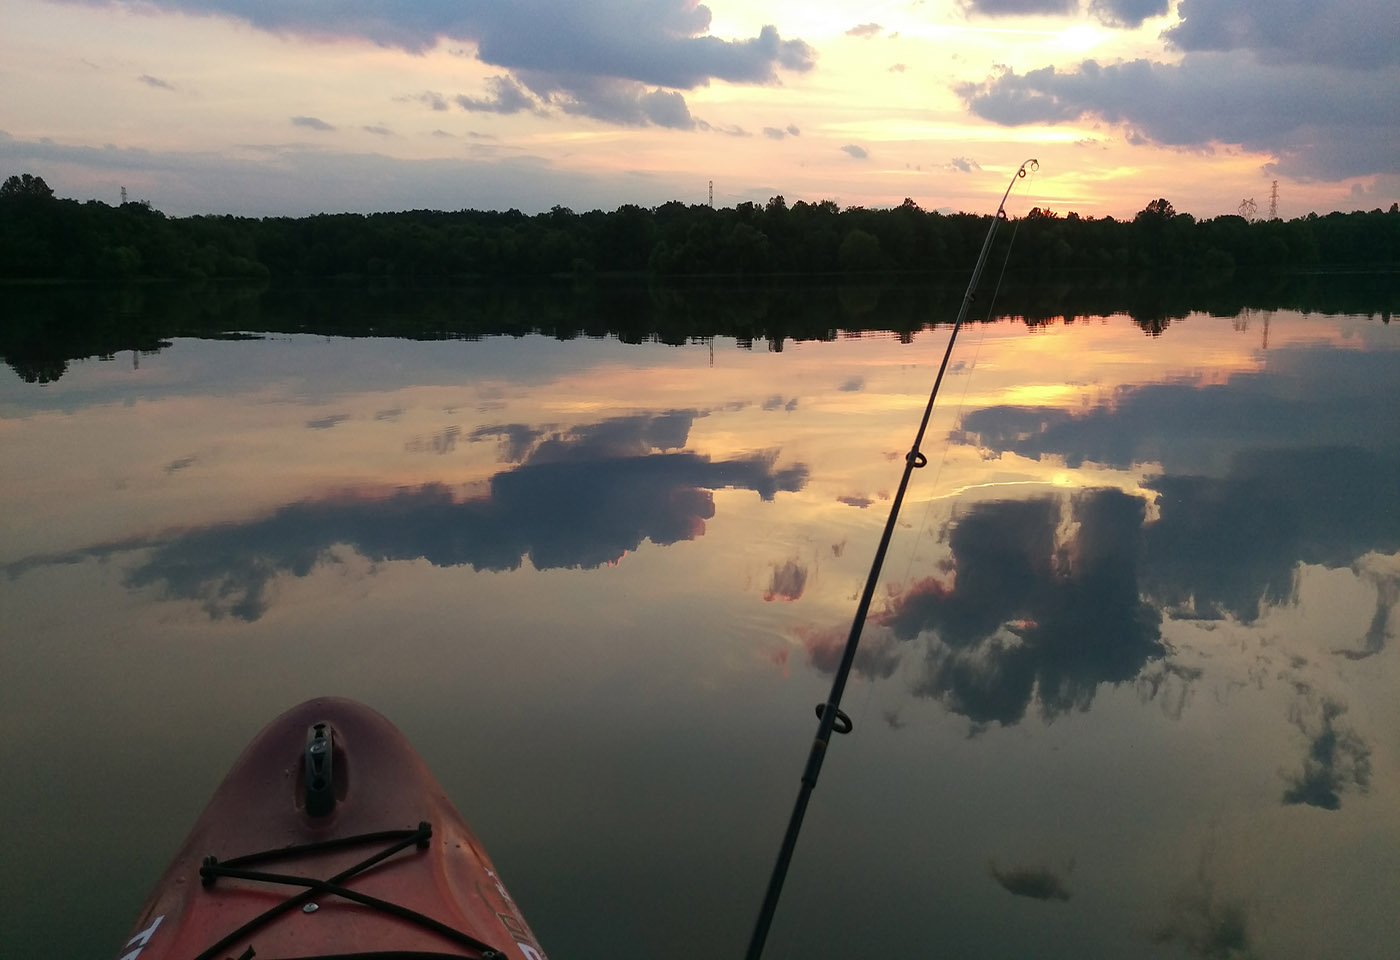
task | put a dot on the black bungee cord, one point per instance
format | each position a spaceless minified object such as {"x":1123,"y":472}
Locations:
{"x":830,"y":716}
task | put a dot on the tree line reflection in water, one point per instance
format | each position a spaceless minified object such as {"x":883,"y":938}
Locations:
{"x":49,"y":327}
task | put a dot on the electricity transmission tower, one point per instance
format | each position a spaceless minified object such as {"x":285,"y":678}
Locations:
{"x":1273,"y":201}
{"x":1248,"y":208}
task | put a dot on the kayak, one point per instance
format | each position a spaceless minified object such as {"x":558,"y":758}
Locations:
{"x":330,"y":838}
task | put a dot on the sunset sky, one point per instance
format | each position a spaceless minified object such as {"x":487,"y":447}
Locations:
{"x":302,"y":106}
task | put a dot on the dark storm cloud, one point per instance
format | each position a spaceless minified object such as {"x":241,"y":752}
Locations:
{"x":582,"y":499}
{"x":1320,"y":122}
{"x":1037,"y":883}
{"x":312,"y":123}
{"x":567,"y":46}
{"x":1027,"y":619}
{"x":1338,"y":760}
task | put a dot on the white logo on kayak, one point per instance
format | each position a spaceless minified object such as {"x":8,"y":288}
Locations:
{"x":141,"y":939}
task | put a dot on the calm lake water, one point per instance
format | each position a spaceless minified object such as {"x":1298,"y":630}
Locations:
{"x":1129,"y":690}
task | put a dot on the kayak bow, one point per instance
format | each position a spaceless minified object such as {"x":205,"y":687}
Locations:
{"x":330,"y":838}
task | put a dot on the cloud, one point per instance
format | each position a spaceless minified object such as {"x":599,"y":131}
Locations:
{"x":1384,"y":573}
{"x":155,"y":82}
{"x":1317,"y":121}
{"x":516,"y":439}
{"x":583,"y":498}
{"x":311,"y":123}
{"x":1337,"y":760}
{"x":865,"y":30}
{"x":1353,"y":34}
{"x":1114,"y":13}
{"x":325,"y":423}
{"x":858,"y":502}
{"x":443,"y":442}
{"x":183,"y":463}
{"x":773,"y":133}
{"x":856,"y":151}
{"x":378,"y":130}
{"x":314,"y":180}
{"x":429,"y":98}
{"x":568,"y":47}
{"x":788,"y":581}
{"x":898,"y":68}
{"x":852,"y":385}
{"x":504,"y":95}
{"x":1020,"y":8}
{"x":1037,"y":883}
{"x":964,"y":165}
{"x":1127,"y":13}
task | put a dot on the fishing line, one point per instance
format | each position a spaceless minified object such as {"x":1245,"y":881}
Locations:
{"x":830,"y":717}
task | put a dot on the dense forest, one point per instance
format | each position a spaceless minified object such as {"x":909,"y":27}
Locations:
{"x":43,"y":237}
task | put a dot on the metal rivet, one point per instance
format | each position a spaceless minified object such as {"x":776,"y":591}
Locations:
{"x":310,"y":908}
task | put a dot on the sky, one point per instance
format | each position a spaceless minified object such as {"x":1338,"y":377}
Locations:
{"x":264,"y":108}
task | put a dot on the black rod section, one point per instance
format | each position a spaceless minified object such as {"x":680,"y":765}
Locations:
{"x":830,"y":710}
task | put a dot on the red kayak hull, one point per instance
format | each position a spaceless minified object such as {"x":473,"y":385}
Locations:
{"x":435,"y":891}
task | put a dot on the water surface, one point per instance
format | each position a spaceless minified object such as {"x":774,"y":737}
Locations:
{"x":1129,"y":688}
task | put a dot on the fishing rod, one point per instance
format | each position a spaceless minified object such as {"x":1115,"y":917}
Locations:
{"x":830,"y":716}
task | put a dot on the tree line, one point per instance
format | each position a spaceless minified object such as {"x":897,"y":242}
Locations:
{"x":45,"y":237}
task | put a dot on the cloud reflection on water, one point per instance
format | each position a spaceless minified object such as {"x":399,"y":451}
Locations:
{"x":1029,"y":618}
{"x":582,"y":498}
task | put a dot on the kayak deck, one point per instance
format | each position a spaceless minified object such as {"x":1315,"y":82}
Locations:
{"x":330,"y":837}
